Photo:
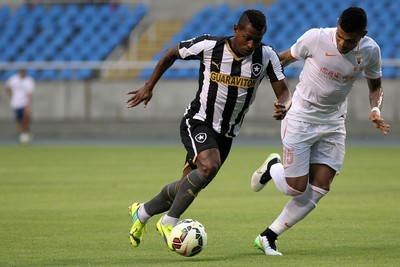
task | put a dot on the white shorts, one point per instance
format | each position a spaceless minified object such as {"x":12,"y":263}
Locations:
{"x":306,"y":143}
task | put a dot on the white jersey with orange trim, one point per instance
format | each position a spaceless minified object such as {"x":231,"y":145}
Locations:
{"x":328,"y":76}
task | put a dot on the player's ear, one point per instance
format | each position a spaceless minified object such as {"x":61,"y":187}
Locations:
{"x":235,"y":28}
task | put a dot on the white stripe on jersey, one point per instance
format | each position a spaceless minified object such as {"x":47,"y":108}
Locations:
{"x":222,"y":93}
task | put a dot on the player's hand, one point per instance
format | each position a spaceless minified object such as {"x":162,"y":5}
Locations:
{"x":138,"y":96}
{"x":379,"y":122}
{"x":280,"y":110}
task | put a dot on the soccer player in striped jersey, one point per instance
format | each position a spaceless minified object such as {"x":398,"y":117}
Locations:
{"x":231,"y":70}
{"x":313,"y":132}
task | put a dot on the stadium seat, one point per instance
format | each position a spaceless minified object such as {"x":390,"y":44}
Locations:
{"x":64,"y":32}
{"x":91,"y":31}
{"x":283,"y":32}
{"x":390,"y":72}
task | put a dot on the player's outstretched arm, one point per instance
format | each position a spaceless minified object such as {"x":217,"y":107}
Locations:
{"x":145,"y":93}
{"x":375,"y":100}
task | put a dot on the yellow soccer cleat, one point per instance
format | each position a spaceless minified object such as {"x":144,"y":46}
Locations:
{"x":136,"y":232}
{"x":165,"y":231}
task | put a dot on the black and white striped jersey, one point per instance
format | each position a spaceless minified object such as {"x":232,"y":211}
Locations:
{"x":227,"y":84}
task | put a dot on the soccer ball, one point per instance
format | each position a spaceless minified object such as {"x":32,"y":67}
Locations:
{"x":25,"y":138}
{"x":188,"y":237}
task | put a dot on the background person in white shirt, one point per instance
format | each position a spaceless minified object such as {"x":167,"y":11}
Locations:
{"x":20,"y":88}
{"x":313,"y":132}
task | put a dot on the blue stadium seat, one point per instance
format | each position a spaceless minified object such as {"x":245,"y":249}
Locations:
{"x":65,"y":32}
{"x":84,"y":74}
{"x":390,"y":72}
{"x":283,"y":32}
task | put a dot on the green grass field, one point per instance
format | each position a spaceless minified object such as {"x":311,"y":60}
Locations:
{"x":67,"y":206}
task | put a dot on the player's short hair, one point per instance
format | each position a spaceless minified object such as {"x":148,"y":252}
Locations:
{"x":353,"y":19}
{"x":255,"y":17}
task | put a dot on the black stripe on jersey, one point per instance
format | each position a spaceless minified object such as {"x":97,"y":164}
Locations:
{"x":216,"y":57}
{"x":270,"y":70}
{"x":231,"y":98}
{"x":257,"y":58}
{"x":276,"y":53}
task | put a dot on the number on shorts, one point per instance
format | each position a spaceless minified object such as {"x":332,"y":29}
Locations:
{"x":288,"y":156}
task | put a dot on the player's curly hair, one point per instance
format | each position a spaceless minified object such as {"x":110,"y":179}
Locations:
{"x":255,"y":17}
{"x":353,"y":19}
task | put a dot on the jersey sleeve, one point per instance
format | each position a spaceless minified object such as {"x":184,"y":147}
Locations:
{"x":305,"y":45}
{"x":374,"y":69}
{"x":274,"y":69}
{"x":193,"y":48}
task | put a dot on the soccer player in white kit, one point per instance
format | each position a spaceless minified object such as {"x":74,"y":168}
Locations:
{"x":20,"y":88}
{"x":313,"y":132}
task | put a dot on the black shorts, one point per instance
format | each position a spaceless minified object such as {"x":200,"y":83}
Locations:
{"x":198,"y":136}
{"x":19,"y":114}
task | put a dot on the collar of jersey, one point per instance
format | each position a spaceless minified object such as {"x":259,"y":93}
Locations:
{"x":228,"y":45}
{"x":355,"y":49}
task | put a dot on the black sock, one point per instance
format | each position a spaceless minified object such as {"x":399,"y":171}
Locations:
{"x":190,"y":186}
{"x":163,"y":201}
{"x":271,"y":237}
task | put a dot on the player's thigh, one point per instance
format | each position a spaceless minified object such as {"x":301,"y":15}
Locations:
{"x":297,"y":139}
{"x":196,"y":136}
{"x":210,"y":160}
{"x":330,"y":149}
{"x":321,"y":176}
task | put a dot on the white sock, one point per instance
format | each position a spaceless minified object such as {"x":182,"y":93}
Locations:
{"x":143,"y":215}
{"x":169,"y":220}
{"x":278,"y":175}
{"x":297,"y":209}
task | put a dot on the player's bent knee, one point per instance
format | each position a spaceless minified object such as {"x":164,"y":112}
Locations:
{"x":298,"y":184}
{"x":209,"y":171}
{"x":292,"y":191}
